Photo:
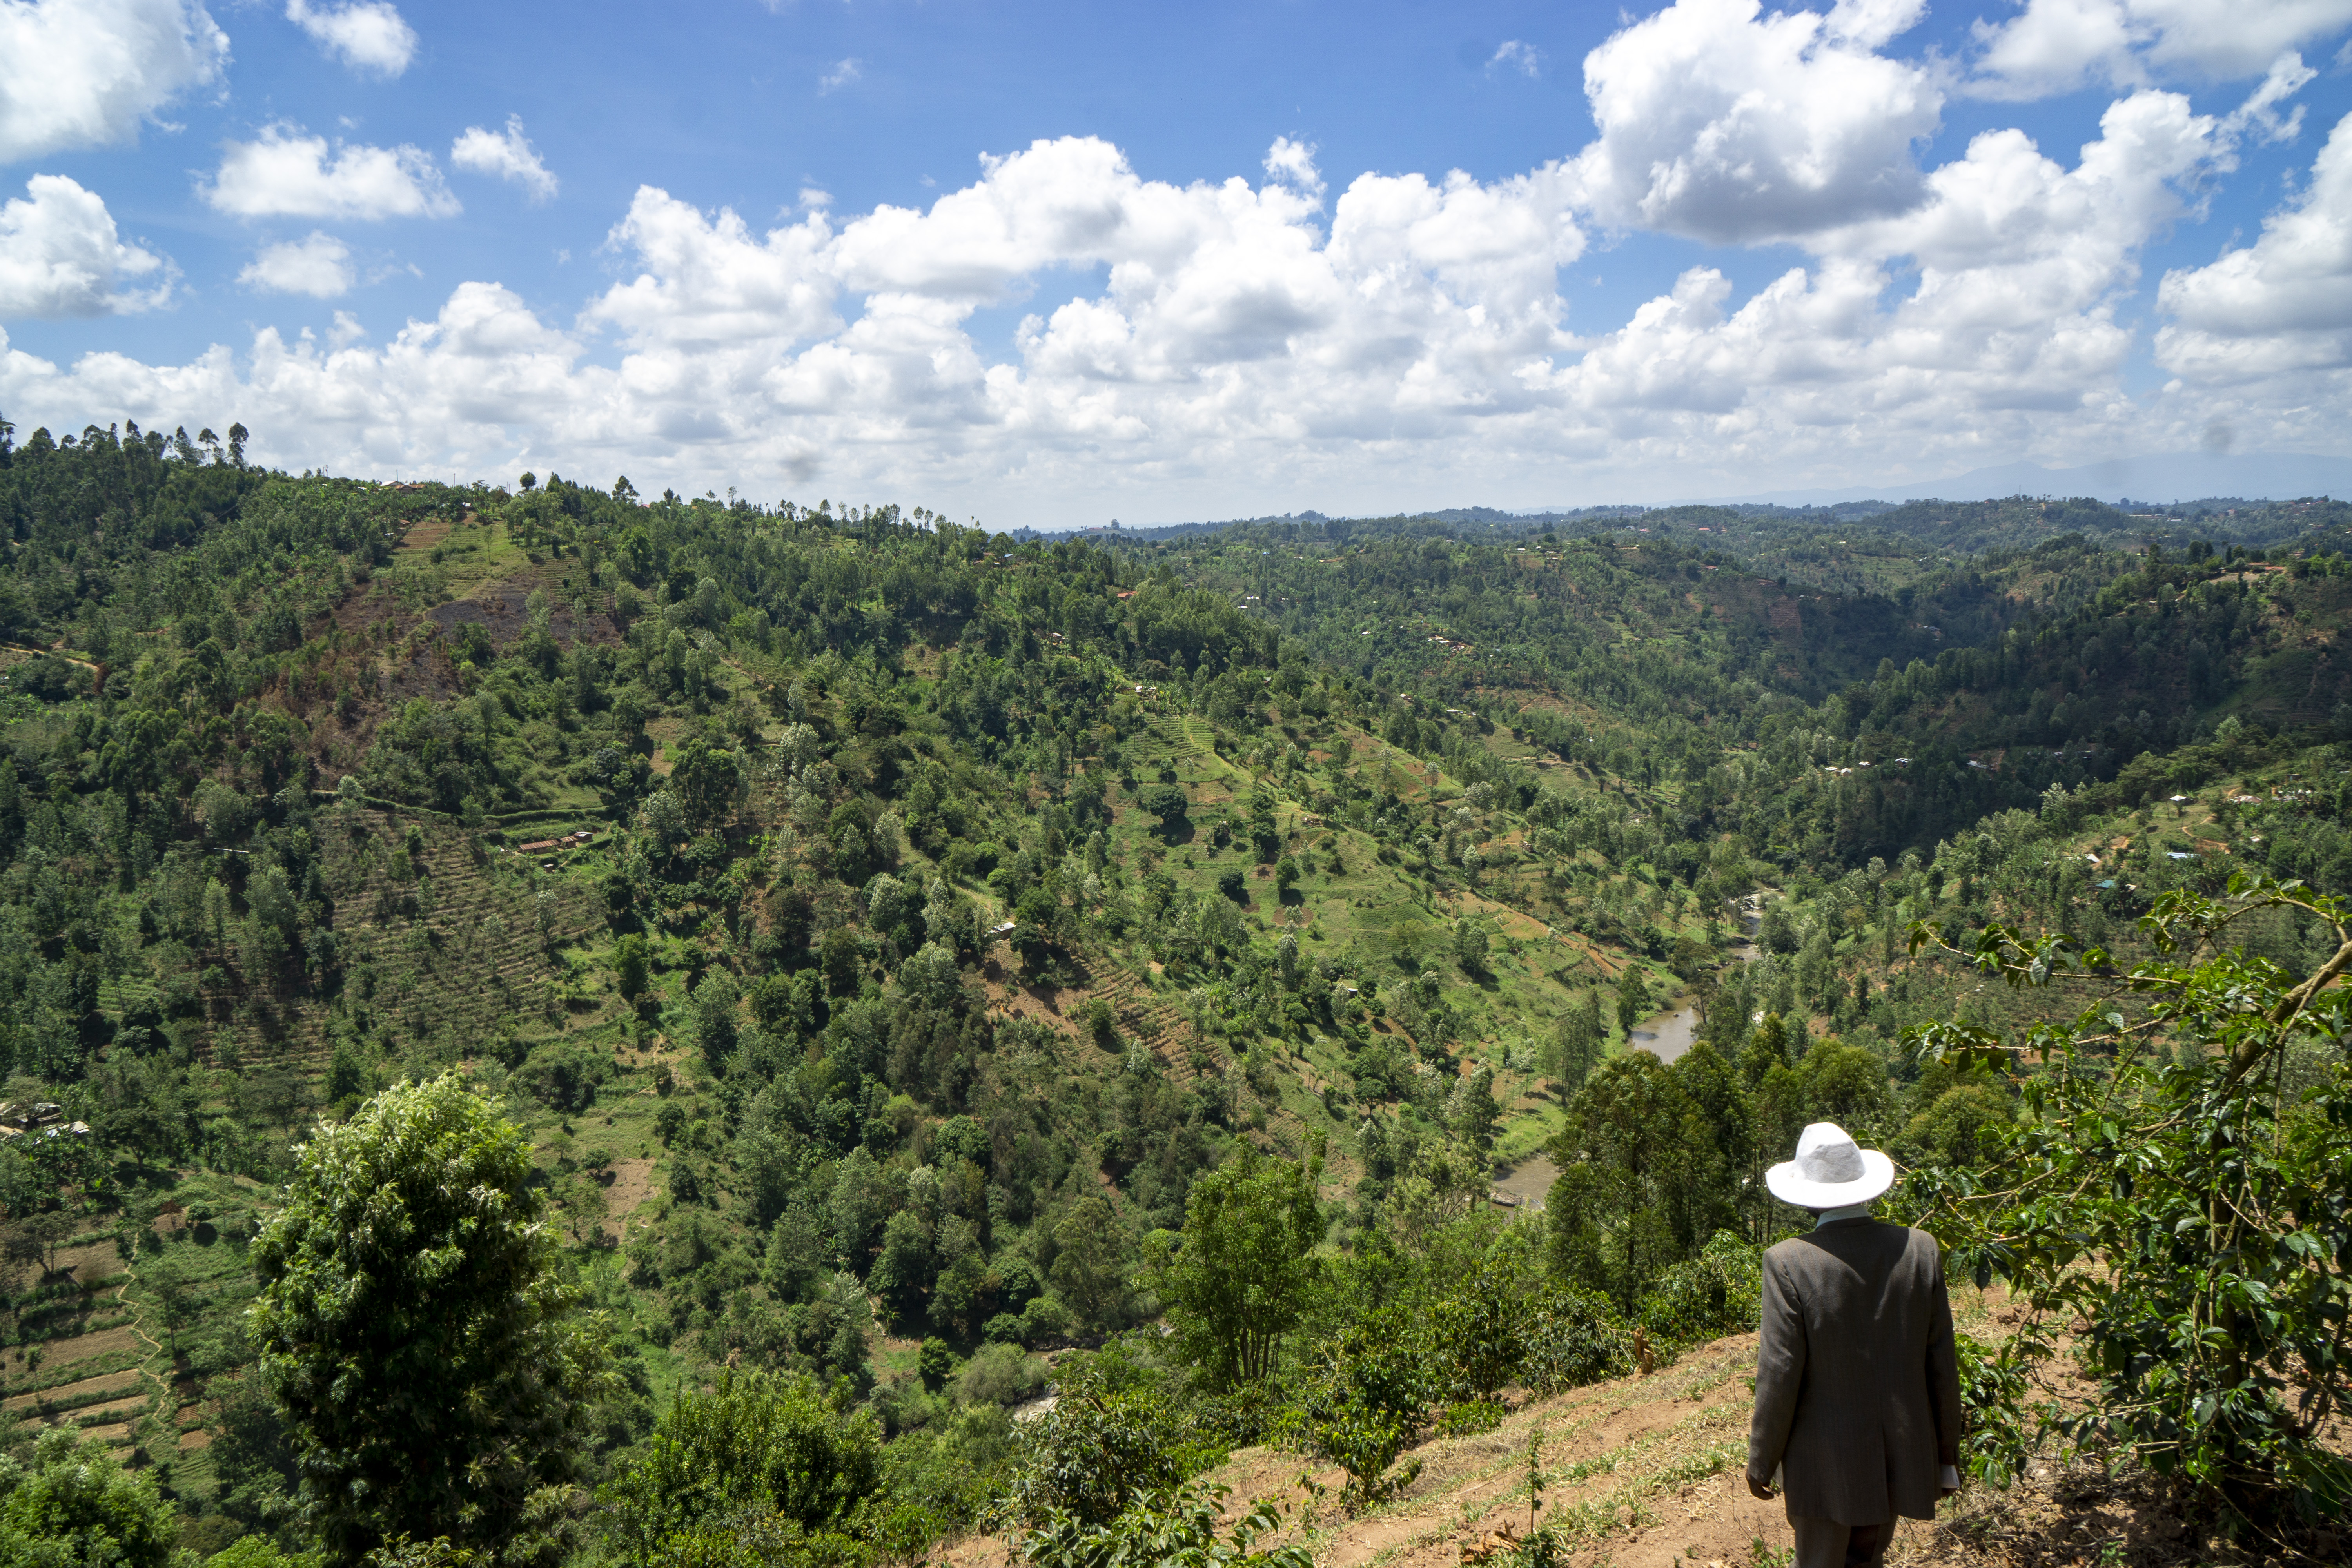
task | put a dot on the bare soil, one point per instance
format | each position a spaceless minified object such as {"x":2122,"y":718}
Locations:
{"x":632,"y":1184}
{"x":1647,"y":1472}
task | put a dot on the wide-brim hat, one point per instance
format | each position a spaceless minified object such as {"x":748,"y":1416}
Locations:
{"x":1830,"y":1171}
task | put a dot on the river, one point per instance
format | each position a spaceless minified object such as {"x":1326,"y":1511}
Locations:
{"x":1667,"y":1035}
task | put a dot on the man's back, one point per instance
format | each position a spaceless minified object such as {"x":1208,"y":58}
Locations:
{"x":1857,"y":1386}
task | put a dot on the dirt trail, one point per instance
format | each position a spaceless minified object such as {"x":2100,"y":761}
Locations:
{"x":163,"y":1396}
{"x":1645,"y":1473}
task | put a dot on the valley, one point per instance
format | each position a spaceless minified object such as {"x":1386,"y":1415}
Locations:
{"x":871,"y":947}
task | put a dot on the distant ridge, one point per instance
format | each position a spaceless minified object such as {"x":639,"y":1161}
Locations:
{"x":2169,"y":476}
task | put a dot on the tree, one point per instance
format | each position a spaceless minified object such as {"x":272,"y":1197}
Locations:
{"x":707,"y":779}
{"x":1243,"y":1270}
{"x":1621,"y":1155}
{"x":75,"y":1504}
{"x":1169,"y":803}
{"x":629,"y":968}
{"x":665,"y":818}
{"x":413,"y":1325}
{"x":38,"y":1237}
{"x":756,"y":1447}
{"x":1470,"y":947}
{"x":1266,"y":835}
{"x":1633,"y":999}
{"x":714,"y":1018}
{"x":1576,"y":1043}
{"x":1091,"y":1254}
{"x":178,"y":1300}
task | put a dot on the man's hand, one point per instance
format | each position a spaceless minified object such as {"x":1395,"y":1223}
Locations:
{"x":1757,"y":1488}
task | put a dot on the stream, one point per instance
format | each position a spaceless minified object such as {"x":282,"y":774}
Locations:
{"x":1667,"y":1035}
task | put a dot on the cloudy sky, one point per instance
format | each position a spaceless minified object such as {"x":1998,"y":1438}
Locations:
{"x":1059,"y":263}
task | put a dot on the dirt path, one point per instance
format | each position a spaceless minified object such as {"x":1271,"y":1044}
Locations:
{"x":165,"y":1404}
{"x":1643,"y":1472}
{"x":1646,"y":1472}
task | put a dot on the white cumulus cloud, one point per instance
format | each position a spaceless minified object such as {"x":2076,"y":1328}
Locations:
{"x":60,"y":255}
{"x":2056,"y":46}
{"x":1382,"y":341}
{"x":2281,"y":305}
{"x":84,"y":73}
{"x":504,"y":154}
{"x":319,"y":264}
{"x":840,"y":74}
{"x":1723,"y":122}
{"x":365,"y":35}
{"x":286,"y":173}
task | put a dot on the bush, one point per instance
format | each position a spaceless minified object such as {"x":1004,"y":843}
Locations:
{"x":566,"y":1078}
{"x":1720,"y":1291}
{"x":75,"y":1504}
{"x":1576,"y":1337}
{"x":1179,"y":1526}
{"x":1000,"y":1375}
{"x":756,"y":1447}
{"x":1115,"y":1435}
{"x":1366,"y":1396}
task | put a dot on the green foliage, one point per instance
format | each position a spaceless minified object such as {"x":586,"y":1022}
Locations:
{"x":1170,"y":804}
{"x":1366,"y":1394}
{"x":1161,"y":1528}
{"x":1719,"y":1293}
{"x":2209,"y":1181}
{"x":414,"y":1329}
{"x":74,"y":1506}
{"x":630,"y":971}
{"x":769,"y":1452}
{"x":1114,"y":1435}
{"x":1633,"y":998}
{"x":1243,"y":1271}
{"x":1646,"y":731}
{"x":1575,"y":1337}
{"x":1642,"y":1164}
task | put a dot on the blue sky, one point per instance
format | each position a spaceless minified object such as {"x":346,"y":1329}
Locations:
{"x":1091,"y":328}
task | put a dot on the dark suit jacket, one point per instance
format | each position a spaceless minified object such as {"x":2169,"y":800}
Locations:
{"x":1857,"y":1388}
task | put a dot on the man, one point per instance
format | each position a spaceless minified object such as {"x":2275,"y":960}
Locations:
{"x":1857,"y":1388}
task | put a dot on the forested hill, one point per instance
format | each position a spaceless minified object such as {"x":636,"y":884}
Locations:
{"x":657,"y":1000}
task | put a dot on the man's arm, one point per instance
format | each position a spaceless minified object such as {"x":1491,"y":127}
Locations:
{"x":1779,"y":1375}
{"x":1944,"y":1371}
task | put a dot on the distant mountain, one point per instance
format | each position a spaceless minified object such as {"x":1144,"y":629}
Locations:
{"x":2272,"y":476}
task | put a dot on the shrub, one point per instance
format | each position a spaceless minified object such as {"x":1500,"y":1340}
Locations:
{"x":1575,"y":1337}
{"x":756,"y":1447}
{"x":1114,"y":1436}
{"x":1178,"y":1526}
{"x":1000,"y":1375}
{"x":1367,"y":1394}
{"x":1719,"y":1292}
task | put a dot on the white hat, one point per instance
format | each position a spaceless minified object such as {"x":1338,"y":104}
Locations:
{"x":1830,"y":1172}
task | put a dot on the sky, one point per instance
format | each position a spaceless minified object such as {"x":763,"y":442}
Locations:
{"x":1055,"y":264}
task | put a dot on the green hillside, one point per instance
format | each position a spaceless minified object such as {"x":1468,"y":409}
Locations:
{"x":884,"y":947}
